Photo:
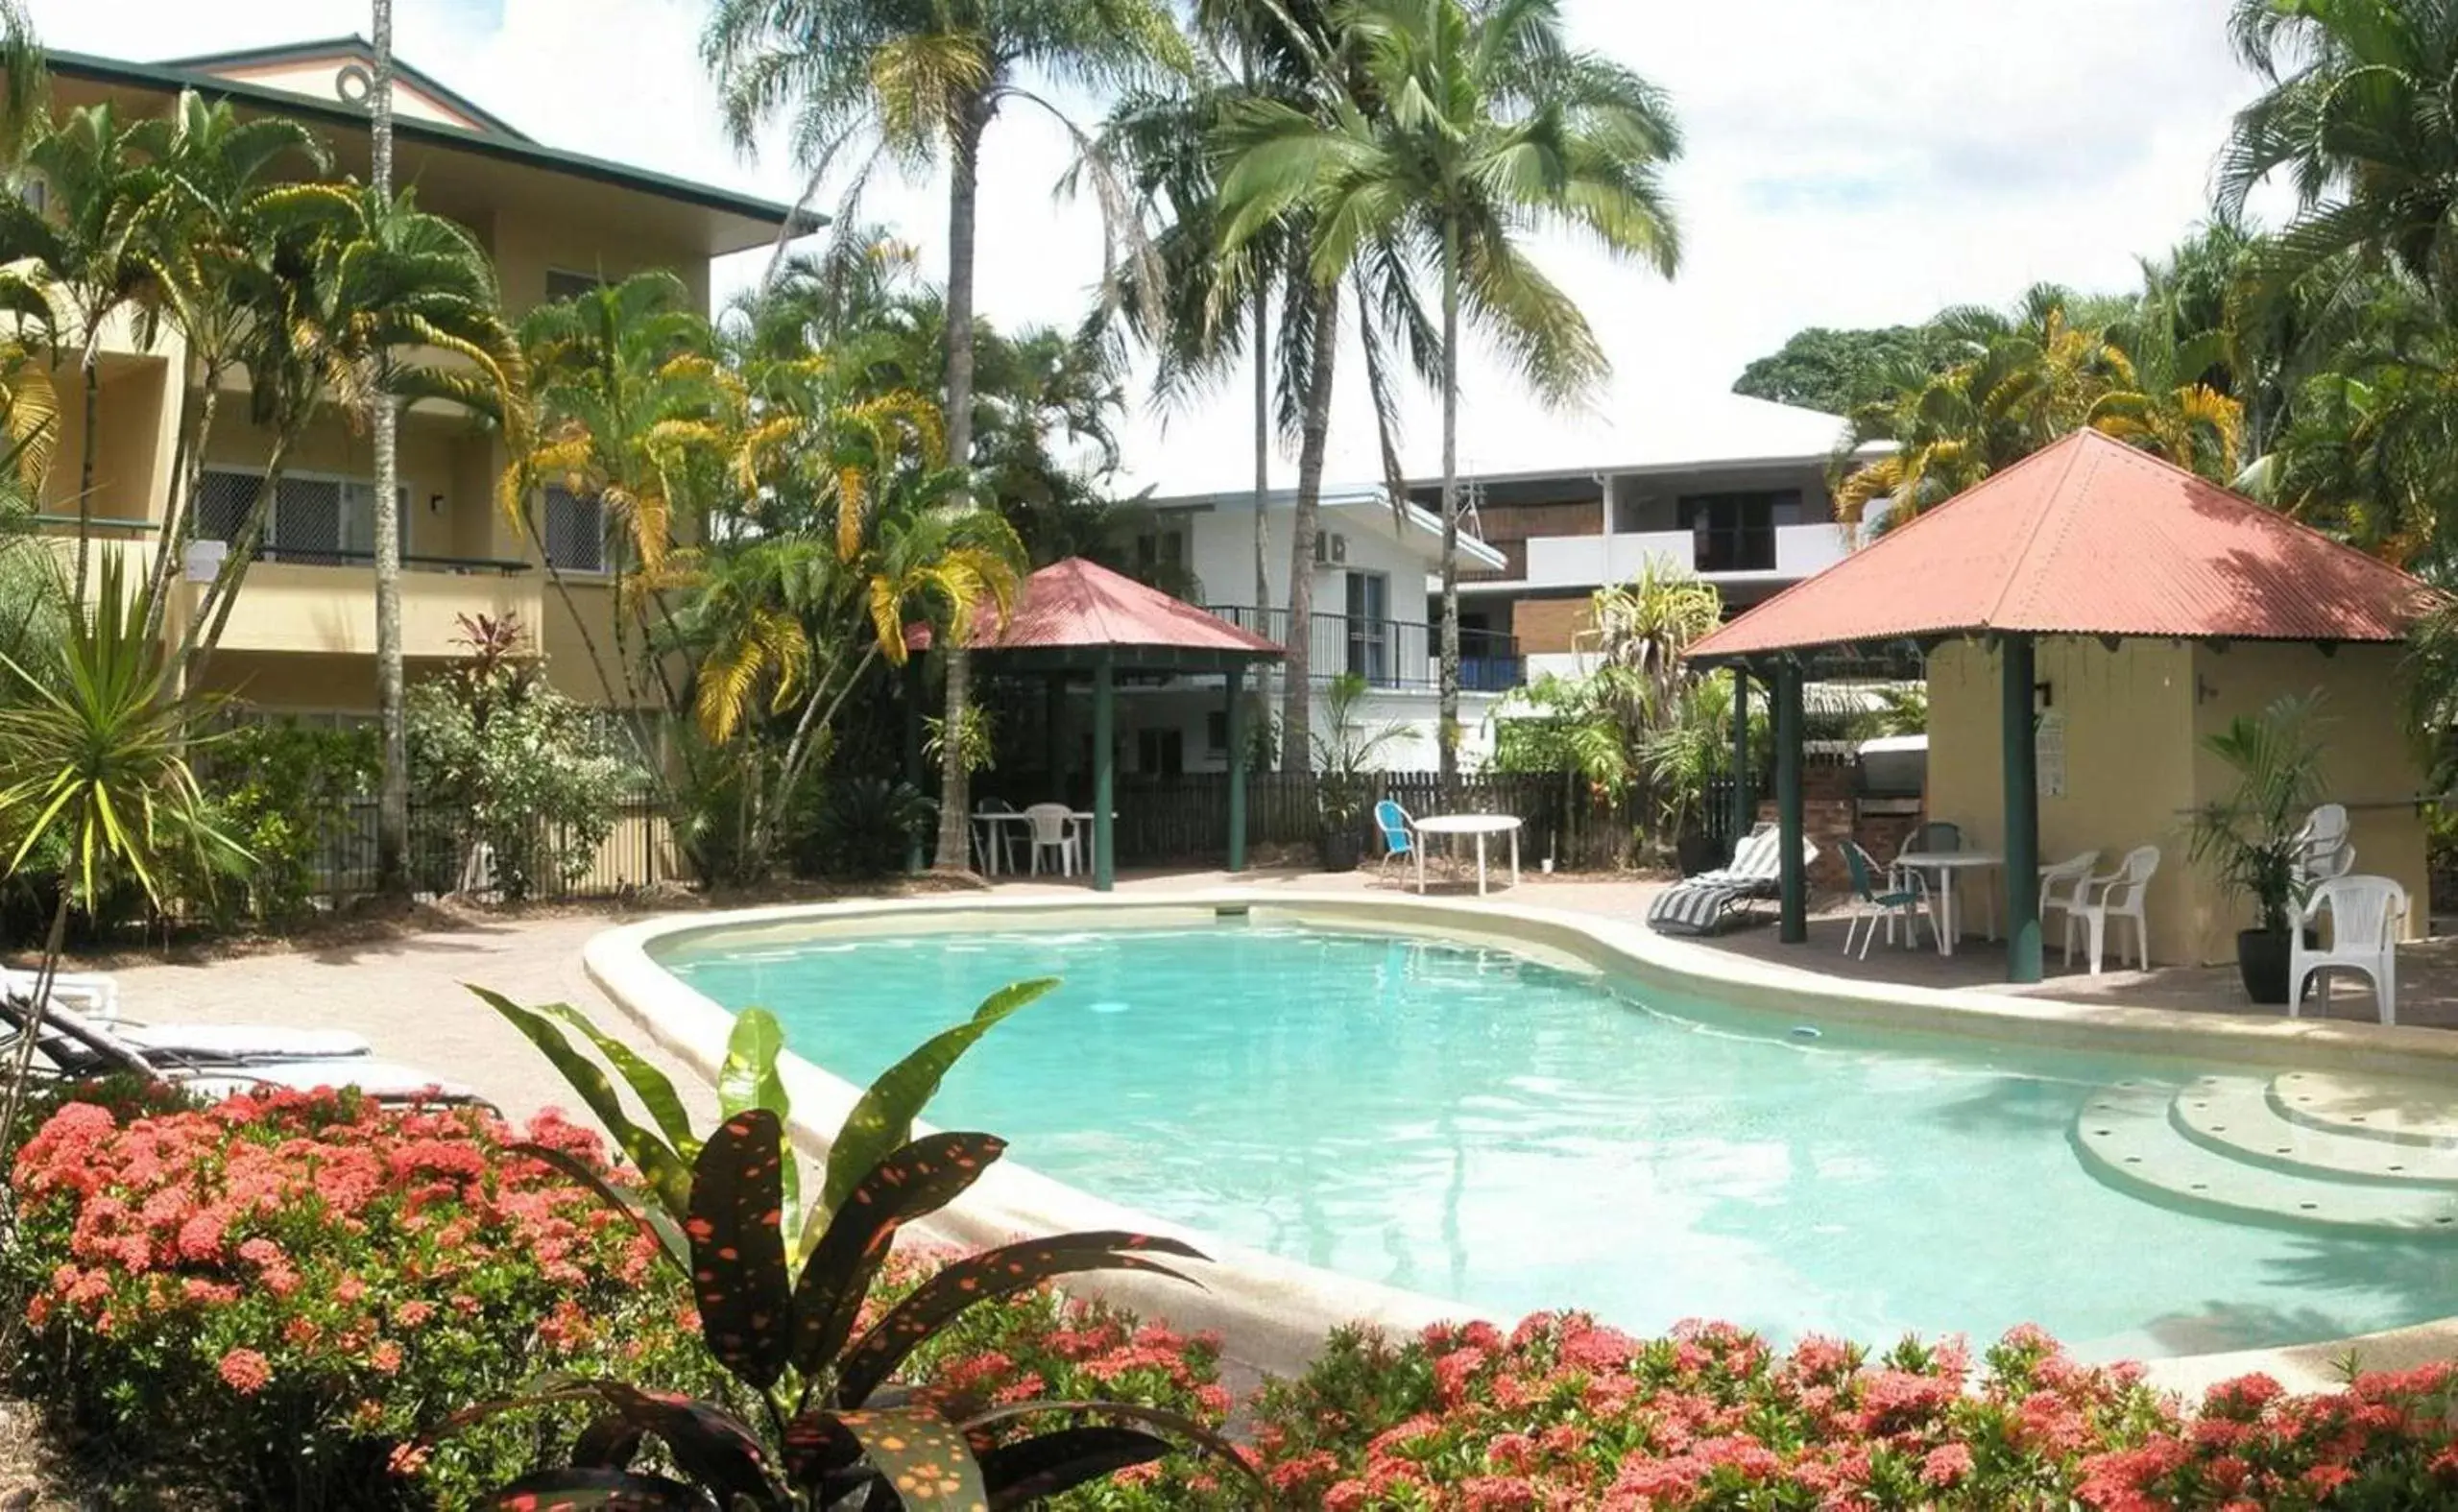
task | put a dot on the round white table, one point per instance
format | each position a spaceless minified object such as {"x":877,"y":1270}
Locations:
{"x":993,"y":844}
{"x":1949,"y":866}
{"x":1482,"y":827}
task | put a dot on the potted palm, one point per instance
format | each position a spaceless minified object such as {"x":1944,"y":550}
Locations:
{"x":2253,"y":839}
{"x":1345,"y":752}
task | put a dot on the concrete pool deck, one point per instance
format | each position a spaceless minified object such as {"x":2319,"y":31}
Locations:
{"x":405,"y":994}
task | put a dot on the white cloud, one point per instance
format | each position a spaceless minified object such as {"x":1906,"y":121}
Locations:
{"x":1848,"y":163}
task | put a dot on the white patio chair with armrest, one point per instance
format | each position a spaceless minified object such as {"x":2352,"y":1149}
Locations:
{"x":1905,"y":896}
{"x":2324,"y":846}
{"x":1053,"y":826}
{"x":2060,"y":891}
{"x":2367,"y":916}
{"x":2120,"y":895}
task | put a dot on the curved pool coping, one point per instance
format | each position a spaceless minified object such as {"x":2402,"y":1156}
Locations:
{"x":1273,"y":1312}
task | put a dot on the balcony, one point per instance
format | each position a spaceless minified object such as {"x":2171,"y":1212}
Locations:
{"x":1783,"y":554}
{"x":324,"y":602}
{"x":1396,"y":654}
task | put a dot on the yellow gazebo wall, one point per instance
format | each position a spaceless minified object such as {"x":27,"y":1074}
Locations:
{"x":2135,"y":769}
{"x":2373,"y":768}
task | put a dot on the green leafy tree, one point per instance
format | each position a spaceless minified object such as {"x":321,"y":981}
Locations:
{"x":1840,"y":370}
{"x":1474,"y":126}
{"x":920,"y":82}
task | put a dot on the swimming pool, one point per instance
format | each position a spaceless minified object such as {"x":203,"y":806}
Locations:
{"x":1467,"y":1123}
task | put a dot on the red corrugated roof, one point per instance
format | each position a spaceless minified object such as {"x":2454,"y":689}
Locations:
{"x":1077,"y":603}
{"x":2089,"y":537}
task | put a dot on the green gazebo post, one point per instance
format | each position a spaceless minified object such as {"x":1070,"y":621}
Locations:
{"x":1793,"y":926}
{"x":1744,"y":809}
{"x":1104,"y":771}
{"x":2015,"y":661}
{"x":1236,"y":679}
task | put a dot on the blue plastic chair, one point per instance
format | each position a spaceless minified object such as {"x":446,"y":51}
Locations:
{"x":1399,"y":835}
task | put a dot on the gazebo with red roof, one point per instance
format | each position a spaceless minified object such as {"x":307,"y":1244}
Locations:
{"x":2114,"y":609}
{"x":1078,"y":617}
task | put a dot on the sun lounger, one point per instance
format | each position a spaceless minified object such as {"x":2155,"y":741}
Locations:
{"x":91,"y":992}
{"x":1701,"y":904}
{"x":216,"y":1060}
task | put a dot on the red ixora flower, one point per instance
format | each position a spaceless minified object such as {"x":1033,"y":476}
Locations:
{"x":246,"y":1372}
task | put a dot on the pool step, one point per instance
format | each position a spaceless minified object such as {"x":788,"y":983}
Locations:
{"x":2133,"y":1137}
{"x":2369,"y":1108}
{"x":2244,"y":1119}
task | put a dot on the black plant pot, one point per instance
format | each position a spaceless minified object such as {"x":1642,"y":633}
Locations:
{"x":1335,"y":848}
{"x":2261,"y":960}
{"x":1699,"y":854}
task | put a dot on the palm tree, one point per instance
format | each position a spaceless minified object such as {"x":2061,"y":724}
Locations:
{"x":94,"y":741}
{"x":92,"y":246}
{"x":2361,"y":114}
{"x":1474,"y":125}
{"x":358,"y":281}
{"x":212,"y":260}
{"x":917,"y":79}
{"x":391,"y":702}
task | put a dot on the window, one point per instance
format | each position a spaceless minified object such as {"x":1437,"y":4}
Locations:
{"x":1369,"y":626}
{"x":317,"y":520}
{"x":1215,"y":732}
{"x":1160,"y":752}
{"x":562,"y":285}
{"x":575,"y":531}
{"x":1736,"y":532}
{"x":1160,"y":551}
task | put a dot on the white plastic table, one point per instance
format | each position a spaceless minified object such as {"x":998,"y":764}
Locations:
{"x":1949,"y":865}
{"x":1482,"y":826}
{"x":989,"y":821}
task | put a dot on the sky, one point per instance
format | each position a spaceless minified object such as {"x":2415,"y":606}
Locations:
{"x":1853,"y":163}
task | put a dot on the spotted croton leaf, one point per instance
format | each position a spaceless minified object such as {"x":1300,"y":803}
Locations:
{"x":981,"y":1278}
{"x":912,"y":1183}
{"x":595,"y":1491}
{"x":1018,"y":1474}
{"x":705,"y":1442}
{"x":1185,"y":1430}
{"x":736,"y":1227}
{"x":610,"y":1442}
{"x":923,"y":1457}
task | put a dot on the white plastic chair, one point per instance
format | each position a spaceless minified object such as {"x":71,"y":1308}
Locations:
{"x":2060,"y":891}
{"x":2324,"y":847}
{"x":2119,"y":895}
{"x":1053,"y":828}
{"x":2367,"y":916}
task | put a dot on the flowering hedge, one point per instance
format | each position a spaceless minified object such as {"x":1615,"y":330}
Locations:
{"x":1564,"y":1413}
{"x":273,"y":1299}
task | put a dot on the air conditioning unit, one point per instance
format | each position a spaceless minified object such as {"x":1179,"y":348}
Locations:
{"x":1330,"y":548}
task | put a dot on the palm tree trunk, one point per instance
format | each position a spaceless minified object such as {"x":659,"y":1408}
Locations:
{"x":1263,"y":495}
{"x":393,"y":791}
{"x":963,"y":208}
{"x":1448,"y":733}
{"x":92,"y":363}
{"x":21,"y":1061}
{"x":179,"y":520}
{"x":1296,"y":706}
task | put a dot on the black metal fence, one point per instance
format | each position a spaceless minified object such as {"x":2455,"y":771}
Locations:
{"x":1179,"y":820}
{"x":1388,"y":653}
{"x":448,"y":854}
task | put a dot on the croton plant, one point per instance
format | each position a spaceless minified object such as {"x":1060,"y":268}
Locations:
{"x":820,"y":1425}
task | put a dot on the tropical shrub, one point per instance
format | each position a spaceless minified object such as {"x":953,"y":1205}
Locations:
{"x":278,"y":1295}
{"x":531,"y":767}
{"x":276,"y":788}
{"x":785,"y":1298}
{"x":866,"y":825}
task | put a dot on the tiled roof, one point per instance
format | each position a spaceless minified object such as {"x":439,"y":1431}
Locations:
{"x":2089,"y":537}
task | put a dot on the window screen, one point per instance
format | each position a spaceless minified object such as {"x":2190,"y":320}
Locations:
{"x":575,"y":531}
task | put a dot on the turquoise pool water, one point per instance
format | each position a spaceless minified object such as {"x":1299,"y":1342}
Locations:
{"x":1476,"y":1125}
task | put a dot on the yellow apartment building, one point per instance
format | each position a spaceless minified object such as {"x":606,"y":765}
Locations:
{"x":301,"y":633}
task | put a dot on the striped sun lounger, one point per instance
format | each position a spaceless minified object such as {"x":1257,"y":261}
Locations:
{"x":1700,"y":904}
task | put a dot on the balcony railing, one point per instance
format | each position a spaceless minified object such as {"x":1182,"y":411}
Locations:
{"x":1387,"y":653}
{"x":1787,"y":552}
{"x":412,"y":562}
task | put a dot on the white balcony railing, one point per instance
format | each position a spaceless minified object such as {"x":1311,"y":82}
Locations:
{"x":1594,"y":561}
